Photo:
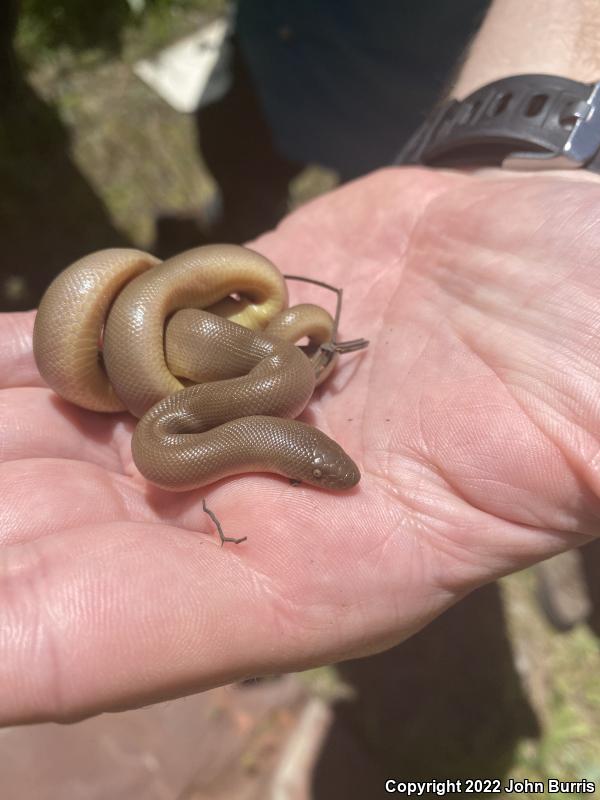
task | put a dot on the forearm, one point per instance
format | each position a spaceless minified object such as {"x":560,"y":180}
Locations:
{"x":557,"y":37}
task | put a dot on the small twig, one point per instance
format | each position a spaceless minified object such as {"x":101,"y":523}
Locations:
{"x":339,"y":292}
{"x":219,"y":528}
{"x":333,"y":346}
{"x":345,"y":347}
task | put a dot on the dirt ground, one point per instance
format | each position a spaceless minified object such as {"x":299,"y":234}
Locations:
{"x":89,"y":157}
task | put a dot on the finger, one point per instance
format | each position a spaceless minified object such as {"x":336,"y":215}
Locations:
{"x":36,"y":423}
{"x":17,"y":367}
{"x":111,"y":616}
{"x":114,"y":616}
{"x":71,"y":494}
{"x":68,"y":494}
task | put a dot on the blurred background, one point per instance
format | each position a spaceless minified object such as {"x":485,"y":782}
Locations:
{"x":163,"y":124}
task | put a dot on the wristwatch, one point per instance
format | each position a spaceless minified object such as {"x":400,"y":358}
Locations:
{"x":525,"y":122}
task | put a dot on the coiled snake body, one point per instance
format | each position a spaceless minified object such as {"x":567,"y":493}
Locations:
{"x":121,"y":330}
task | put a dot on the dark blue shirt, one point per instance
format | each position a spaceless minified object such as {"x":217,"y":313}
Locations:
{"x":344,"y":83}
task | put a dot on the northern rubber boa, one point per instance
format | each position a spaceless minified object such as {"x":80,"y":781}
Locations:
{"x":121,"y":330}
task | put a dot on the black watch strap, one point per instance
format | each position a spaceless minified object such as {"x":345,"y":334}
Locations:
{"x":525,"y":122}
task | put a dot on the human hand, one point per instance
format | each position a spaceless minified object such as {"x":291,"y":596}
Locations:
{"x":473,"y":417}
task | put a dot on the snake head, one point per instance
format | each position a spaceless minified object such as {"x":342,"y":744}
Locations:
{"x":326,"y":464}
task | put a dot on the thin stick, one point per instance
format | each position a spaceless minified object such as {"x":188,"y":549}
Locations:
{"x":220,"y":529}
{"x":345,"y":347}
{"x":338,"y":347}
{"x":339,"y":292}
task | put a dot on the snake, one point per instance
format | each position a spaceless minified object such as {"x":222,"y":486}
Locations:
{"x":201,"y":348}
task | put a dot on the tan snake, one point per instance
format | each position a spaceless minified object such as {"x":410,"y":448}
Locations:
{"x":121,"y":330}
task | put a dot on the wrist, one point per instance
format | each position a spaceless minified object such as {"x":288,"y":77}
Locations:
{"x":555,"y":37}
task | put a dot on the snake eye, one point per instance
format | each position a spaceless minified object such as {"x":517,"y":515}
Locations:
{"x":317,"y":473}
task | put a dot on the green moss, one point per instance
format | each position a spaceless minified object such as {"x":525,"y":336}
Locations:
{"x":49,"y":26}
{"x":562,"y":680}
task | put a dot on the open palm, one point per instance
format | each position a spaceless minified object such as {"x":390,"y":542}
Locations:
{"x":474,"y":417}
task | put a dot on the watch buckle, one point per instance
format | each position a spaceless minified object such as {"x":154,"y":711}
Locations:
{"x":582,"y":145}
